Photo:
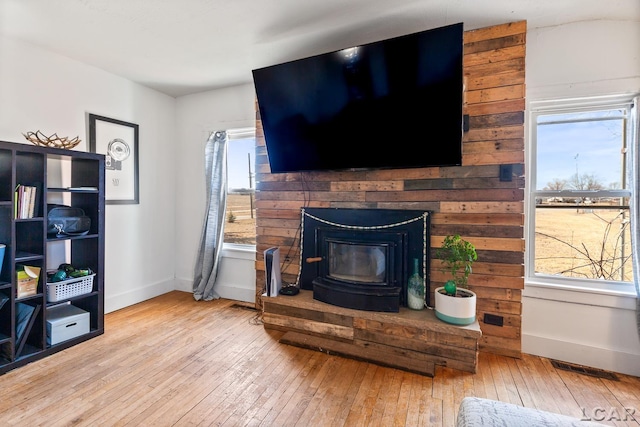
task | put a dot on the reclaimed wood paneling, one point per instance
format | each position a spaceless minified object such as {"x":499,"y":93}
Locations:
{"x":469,"y":199}
{"x":410,"y":340}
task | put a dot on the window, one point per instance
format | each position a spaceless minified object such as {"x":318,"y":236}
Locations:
{"x":240,"y":226}
{"x":578,"y":207}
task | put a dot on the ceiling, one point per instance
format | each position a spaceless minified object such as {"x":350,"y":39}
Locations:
{"x":180,"y":47}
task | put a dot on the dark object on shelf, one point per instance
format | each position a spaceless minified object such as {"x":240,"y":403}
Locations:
{"x":289,"y":290}
{"x":25,"y":316}
{"x":65,"y":220}
{"x":3,"y":299}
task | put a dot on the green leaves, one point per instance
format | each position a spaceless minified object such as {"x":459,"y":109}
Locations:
{"x":457,"y":255}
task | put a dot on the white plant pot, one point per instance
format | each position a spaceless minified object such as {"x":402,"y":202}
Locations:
{"x":455,"y":310}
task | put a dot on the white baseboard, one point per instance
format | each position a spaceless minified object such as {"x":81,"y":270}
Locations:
{"x":235,"y":293}
{"x":125,"y":299}
{"x":183,"y":285}
{"x":609,"y":360}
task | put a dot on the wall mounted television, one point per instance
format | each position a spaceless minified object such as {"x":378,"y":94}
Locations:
{"x":395,"y":103}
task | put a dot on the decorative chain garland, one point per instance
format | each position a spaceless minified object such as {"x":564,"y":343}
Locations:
{"x":361,"y":227}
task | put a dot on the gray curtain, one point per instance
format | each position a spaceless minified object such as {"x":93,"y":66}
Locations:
{"x":212,"y":235}
{"x":634,"y":203}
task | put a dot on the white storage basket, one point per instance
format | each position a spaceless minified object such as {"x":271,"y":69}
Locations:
{"x":57,"y":291}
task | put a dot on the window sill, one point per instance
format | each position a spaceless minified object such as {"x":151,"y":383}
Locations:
{"x":624,"y":297}
{"x":233,"y":250}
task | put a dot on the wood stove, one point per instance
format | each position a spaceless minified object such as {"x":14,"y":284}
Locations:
{"x":360,"y":258}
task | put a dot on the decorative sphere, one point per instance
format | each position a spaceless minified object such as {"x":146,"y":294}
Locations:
{"x":450,"y":287}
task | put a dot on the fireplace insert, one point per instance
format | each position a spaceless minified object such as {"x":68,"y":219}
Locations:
{"x":360,"y":258}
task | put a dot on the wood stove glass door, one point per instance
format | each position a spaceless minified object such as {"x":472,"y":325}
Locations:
{"x":357,"y":263}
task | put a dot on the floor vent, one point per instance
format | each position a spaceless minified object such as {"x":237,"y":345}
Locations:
{"x":579,"y":369}
{"x":244,"y":307}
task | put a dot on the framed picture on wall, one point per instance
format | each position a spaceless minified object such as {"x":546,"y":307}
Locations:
{"x":118,"y":141}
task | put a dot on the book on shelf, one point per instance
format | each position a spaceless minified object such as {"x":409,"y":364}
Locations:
{"x":26,"y":204}
{"x":32,"y":201}
{"x":37,"y":191}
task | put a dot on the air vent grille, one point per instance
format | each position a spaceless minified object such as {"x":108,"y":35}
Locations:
{"x":579,"y":369}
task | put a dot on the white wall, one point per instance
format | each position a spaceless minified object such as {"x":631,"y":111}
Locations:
{"x":51,"y":93}
{"x":197,"y":116}
{"x":570,"y":61}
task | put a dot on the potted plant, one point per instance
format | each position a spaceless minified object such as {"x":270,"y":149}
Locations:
{"x":453,"y":302}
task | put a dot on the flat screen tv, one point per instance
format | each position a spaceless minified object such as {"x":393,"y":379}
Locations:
{"x":395,"y":103}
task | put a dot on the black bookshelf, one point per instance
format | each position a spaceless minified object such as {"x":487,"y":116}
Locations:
{"x":23,"y":318}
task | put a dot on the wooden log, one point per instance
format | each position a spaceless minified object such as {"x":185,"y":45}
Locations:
{"x":494,"y":68}
{"x":279,"y":214}
{"x":382,"y":356}
{"x":499,"y":306}
{"x":482,"y":207}
{"x":493,"y":44}
{"x":499,"y":231}
{"x":306,"y":325}
{"x":496,"y":120}
{"x":495,"y":31}
{"x":485,"y":134}
{"x":501,"y":331}
{"x":265,"y":186}
{"x":499,"y":256}
{"x":497,"y":158}
{"x":397,"y":185}
{"x":506,"y":244}
{"x":471,"y":195}
{"x":498,"y":294}
{"x":477,"y":219}
{"x":481,"y":147}
{"x":496,"y":55}
{"x":511,"y":347}
{"x":334,"y":318}
{"x":266,"y":222}
{"x":460,"y":184}
{"x":391,"y":174}
{"x":433,"y":206}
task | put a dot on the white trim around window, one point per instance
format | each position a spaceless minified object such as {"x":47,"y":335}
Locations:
{"x":588,"y":291}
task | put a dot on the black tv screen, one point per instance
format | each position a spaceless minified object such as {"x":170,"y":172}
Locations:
{"x":395,"y":103}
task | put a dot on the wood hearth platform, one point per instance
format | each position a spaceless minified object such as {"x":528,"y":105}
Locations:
{"x":411,"y":340}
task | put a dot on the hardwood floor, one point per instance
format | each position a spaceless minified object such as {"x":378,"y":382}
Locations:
{"x":173,"y":361}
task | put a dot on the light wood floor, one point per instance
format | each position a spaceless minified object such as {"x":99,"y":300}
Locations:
{"x":173,"y":361}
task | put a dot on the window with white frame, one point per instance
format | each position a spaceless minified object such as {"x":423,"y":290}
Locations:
{"x":578,"y":207}
{"x":240,"y":226}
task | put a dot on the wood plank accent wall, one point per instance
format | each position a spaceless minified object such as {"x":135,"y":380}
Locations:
{"x":469,"y":200}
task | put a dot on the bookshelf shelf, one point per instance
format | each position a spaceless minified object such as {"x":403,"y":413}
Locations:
{"x":23,"y":320}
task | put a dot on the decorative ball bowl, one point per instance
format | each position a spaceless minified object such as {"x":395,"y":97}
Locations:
{"x":52,"y":141}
